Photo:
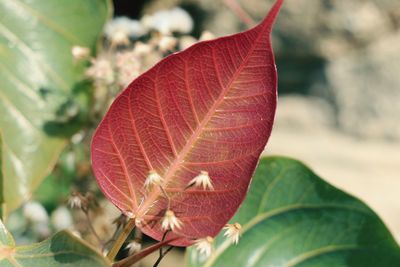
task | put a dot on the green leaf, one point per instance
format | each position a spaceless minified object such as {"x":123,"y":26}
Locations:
{"x":40,"y":83}
{"x":62,"y":249}
{"x":1,"y":180}
{"x":291,"y":217}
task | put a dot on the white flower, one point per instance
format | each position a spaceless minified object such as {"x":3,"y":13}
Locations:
{"x":80,"y":52}
{"x":61,"y":218}
{"x":170,"y":221}
{"x":233,"y":232}
{"x":35,"y":212}
{"x":167,"y":43}
{"x":203,"y":179}
{"x":128,"y":65}
{"x":204,"y":245}
{"x":133,"y":247}
{"x":75,"y":201}
{"x":153,"y":178}
{"x":206,"y":35}
{"x":101,"y":70}
{"x":169,"y":21}
{"x":120,"y":29}
{"x":141,"y":49}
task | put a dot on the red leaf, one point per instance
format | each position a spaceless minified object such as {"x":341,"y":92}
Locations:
{"x":208,"y":108}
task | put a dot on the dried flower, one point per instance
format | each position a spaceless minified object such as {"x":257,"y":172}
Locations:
{"x":204,"y":245}
{"x":80,"y":52}
{"x":232,"y":232}
{"x":75,"y":201}
{"x":203,"y":179}
{"x":134,"y":246}
{"x":153,"y":178}
{"x":170,"y":221}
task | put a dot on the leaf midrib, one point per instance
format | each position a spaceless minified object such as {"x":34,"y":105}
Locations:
{"x":194,"y":137}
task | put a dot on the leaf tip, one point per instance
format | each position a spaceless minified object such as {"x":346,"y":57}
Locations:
{"x":272,"y":14}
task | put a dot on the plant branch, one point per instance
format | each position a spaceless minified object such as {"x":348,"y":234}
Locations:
{"x":162,"y":254}
{"x":121,"y":239}
{"x":90,"y":224}
{"x":240,"y":12}
{"x":140,"y":255}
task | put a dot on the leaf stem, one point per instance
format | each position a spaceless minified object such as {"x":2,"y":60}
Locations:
{"x":121,"y":239}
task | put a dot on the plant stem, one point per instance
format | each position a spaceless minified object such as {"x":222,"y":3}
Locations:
{"x":90,"y":224}
{"x":140,"y":255}
{"x":121,"y":239}
{"x":162,"y":254}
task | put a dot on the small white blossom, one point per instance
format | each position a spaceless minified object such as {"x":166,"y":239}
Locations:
{"x":170,"y":221}
{"x":80,"y":52}
{"x":232,"y":232}
{"x":206,"y":35}
{"x":35,"y":212}
{"x":141,"y":48}
{"x":204,"y":246}
{"x":153,"y":178}
{"x":128,"y":65}
{"x":203,"y":179}
{"x":120,"y":29}
{"x":167,"y":43}
{"x":169,"y":21}
{"x":75,"y":201}
{"x":133,"y":247}
{"x":101,"y":70}
{"x":61,"y":218}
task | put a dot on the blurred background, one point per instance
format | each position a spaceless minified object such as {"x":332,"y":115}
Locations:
{"x":339,"y":96}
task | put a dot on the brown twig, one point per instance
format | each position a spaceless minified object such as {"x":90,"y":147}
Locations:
{"x":145,"y":252}
{"x":162,"y":256}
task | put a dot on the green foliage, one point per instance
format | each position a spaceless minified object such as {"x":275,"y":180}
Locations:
{"x":62,"y":249}
{"x":291,"y":217}
{"x":42,"y":96}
